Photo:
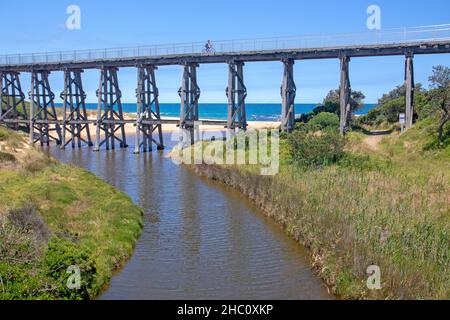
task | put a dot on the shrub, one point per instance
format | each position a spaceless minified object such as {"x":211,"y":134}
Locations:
{"x":433,"y":143}
{"x":23,"y":234}
{"x":20,"y":281}
{"x":17,"y":247}
{"x":62,"y":254}
{"x":4,"y":134}
{"x":380,"y":120}
{"x":370,"y":117}
{"x":316,"y":150}
{"x":28,"y":221}
{"x":393,"y":108}
{"x":424,"y":107}
{"x":325,"y":121}
{"x":7,"y":157}
{"x":390,"y":108}
{"x":34,"y":165}
{"x":48,"y":278}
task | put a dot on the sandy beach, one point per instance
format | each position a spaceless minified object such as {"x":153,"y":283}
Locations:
{"x":130,"y":128}
{"x":207,"y":127}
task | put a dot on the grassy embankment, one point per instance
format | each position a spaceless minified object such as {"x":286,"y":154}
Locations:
{"x":384,"y":203}
{"x":53,"y":216}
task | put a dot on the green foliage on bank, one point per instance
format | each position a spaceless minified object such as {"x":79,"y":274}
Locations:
{"x":388,"y":112}
{"x":315,"y":150}
{"x":53,"y":216}
{"x":433,"y":103}
{"x":324,"y":121}
{"x":331,"y":104}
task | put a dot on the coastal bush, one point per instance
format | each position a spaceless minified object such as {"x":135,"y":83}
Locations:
{"x":332,"y":101}
{"x":439,"y":96}
{"x":19,"y":244}
{"x":3,"y":134}
{"x":20,"y":251}
{"x":7,"y":157}
{"x":320,"y":149}
{"x":24,"y":276}
{"x":29,"y":221}
{"x":18,"y":281}
{"x":324,"y":121}
{"x":387,"y":113}
{"x":61,"y":255}
{"x":331,"y":104}
{"x":427,"y":103}
{"x":424,"y":107}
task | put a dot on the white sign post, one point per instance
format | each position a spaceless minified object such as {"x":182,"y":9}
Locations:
{"x":402,"y":119}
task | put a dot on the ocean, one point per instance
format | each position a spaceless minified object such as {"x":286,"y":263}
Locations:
{"x":218,"y":111}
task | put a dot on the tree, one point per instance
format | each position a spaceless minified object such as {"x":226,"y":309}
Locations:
{"x":391,"y":104}
{"x":440,"y":95}
{"x":331,"y":102}
{"x":399,"y":92}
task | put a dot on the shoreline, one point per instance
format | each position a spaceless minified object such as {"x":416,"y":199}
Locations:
{"x":130,"y":128}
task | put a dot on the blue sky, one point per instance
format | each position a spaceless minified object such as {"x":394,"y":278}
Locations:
{"x":39,"y":26}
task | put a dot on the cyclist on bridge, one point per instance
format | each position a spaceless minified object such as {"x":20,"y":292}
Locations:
{"x":209,"y":46}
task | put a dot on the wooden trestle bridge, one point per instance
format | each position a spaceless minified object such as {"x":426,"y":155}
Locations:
{"x":44,"y":125}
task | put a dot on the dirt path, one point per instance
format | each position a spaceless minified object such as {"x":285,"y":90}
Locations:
{"x":373,"y":140}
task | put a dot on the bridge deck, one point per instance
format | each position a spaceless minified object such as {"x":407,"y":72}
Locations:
{"x":416,"y":40}
{"x":429,"y":47}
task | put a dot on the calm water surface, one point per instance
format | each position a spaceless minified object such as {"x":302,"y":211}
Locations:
{"x":201,"y":240}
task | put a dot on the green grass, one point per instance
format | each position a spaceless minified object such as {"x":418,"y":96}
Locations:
{"x":10,"y":138}
{"x":420,"y":143}
{"x":90,"y":223}
{"x":389,"y":208}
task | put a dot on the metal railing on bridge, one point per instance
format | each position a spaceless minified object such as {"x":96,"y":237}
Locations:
{"x":435,"y":33}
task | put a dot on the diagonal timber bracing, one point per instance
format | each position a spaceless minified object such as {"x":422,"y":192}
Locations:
{"x":12,"y":100}
{"x":189,"y":93}
{"x":75,"y":120}
{"x":148,"y":114}
{"x":110,"y":120}
{"x":44,"y":124}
